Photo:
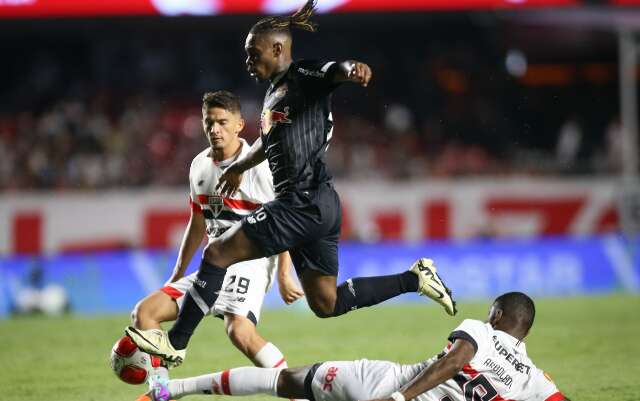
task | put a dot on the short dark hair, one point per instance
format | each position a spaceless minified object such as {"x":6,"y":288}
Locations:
{"x":223,"y":99}
{"x":301,"y":19}
{"x":517,"y":306}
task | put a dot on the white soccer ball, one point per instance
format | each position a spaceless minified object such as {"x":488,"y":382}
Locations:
{"x":130,"y":364}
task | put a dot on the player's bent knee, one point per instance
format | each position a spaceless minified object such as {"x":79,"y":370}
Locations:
{"x":322,"y":308}
{"x":241,"y":338}
{"x":140,"y":315}
{"x":241,"y":332}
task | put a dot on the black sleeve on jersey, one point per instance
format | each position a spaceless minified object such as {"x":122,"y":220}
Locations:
{"x":312,"y":78}
{"x":463,"y":335}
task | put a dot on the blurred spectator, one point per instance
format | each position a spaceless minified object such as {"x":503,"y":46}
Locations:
{"x":122,"y":109}
{"x":569,"y":141}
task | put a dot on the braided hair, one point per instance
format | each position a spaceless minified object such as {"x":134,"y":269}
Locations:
{"x":301,"y":19}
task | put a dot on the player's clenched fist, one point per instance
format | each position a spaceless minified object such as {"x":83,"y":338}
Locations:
{"x":359,"y":73}
{"x":229,"y":181}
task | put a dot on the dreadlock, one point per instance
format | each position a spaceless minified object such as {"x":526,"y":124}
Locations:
{"x":283,"y":23}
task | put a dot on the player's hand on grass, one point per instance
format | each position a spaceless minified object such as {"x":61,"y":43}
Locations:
{"x":360,"y":73}
{"x":289,"y":290}
{"x":229,"y":182}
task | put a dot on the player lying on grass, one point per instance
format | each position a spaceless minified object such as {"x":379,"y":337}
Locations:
{"x":305,"y":218}
{"x":246,"y":283}
{"x":482,"y":362}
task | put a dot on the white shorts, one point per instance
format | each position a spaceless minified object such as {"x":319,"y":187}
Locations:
{"x":360,"y":380}
{"x":242,"y":293}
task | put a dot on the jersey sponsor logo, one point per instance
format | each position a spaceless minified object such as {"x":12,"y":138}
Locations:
{"x":332,"y":372}
{"x":311,"y":73}
{"x":271,"y":118}
{"x":502,"y":351}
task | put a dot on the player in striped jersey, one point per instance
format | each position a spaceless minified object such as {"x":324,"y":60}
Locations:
{"x":305,"y":218}
{"x":246,"y":283}
{"x":482,"y":362}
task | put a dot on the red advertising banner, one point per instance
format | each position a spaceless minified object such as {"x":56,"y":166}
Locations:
{"x":37,"y":223}
{"x":98,"y":8}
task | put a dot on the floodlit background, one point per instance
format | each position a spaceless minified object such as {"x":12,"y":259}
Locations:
{"x":497,"y":137}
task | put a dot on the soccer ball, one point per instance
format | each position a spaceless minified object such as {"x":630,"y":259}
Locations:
{"x":130,"y":364}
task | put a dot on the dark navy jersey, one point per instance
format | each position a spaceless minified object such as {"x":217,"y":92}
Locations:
{"x":296,"y":125}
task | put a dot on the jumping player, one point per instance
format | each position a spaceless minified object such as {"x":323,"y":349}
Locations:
{"x":482,"y":361}
{"x":246,"y":283}
{"x":305,"y":217}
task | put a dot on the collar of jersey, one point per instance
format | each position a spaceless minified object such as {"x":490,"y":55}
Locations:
{"x":519,"y":345}
{"x":277,"y":79}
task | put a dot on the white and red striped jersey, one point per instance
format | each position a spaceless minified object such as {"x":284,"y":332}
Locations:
{"x":499,"y":371}
{"x":220,"y":212}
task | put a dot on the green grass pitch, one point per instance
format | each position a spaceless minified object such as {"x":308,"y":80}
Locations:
{"x":589,"y":346}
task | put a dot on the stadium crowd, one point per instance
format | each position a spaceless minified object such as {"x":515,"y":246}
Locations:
{"x":99,"y":111}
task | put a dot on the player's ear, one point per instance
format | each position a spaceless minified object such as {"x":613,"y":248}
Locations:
{"x":240,"y":126}
{"x":495,"y":314}
{"x":277,"y":49}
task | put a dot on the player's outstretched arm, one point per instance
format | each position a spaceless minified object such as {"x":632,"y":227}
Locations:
{"x":353,"y":71}
{"x":190,"y":242}
{"x":440,"y":371}
{"x":289,"y":290}
{"x":229,"y":182}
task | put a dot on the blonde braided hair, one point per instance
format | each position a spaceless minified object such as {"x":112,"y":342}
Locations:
{"x":301,"y":19}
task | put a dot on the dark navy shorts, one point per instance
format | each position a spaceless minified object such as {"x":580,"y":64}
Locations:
{"x":305,"y":223}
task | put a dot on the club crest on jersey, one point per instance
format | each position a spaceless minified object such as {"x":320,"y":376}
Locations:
{"x":216,"y":203}
{"x":271,"y":118}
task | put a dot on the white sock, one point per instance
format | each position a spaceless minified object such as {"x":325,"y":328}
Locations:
{"x":270,"y":356}
{"x":238,"y":381}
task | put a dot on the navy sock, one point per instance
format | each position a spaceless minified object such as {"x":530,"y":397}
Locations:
{"x":197,"y":303}
{"x":366,"y":291}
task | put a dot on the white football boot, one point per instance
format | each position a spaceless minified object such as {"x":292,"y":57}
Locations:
{"x":156,"y":342}
{"x":430,"y":284}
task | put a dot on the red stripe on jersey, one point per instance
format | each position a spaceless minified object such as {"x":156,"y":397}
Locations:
{"x":241,"y":204}
{"x":194,"y":206}
{"x":279,"y":363}
{"x":225,"y":382}
{"x":172,"y":292}
{"x":469,"y":370}
{"x":556,"y":397}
